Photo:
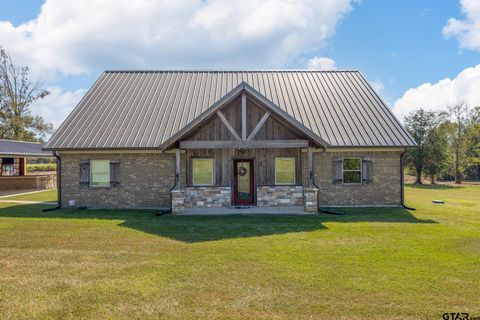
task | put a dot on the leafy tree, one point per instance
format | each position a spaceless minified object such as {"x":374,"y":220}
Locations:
{"x":436,"y":148}
{"x":472,"y":143}
{"x":17,"y":93}
{"x":459,"y":114}
{"x":430,"y":154}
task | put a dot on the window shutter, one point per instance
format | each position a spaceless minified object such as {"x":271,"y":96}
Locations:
{"x":337,"y":170}
{"x":367,"y":170}
{"x":84,"y":173}
{"x":114,"y":173}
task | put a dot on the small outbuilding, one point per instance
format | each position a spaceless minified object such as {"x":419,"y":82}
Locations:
{"x":13,"y":159}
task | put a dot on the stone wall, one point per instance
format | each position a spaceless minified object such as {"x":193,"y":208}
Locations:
{"x":310,"y":199}
{"x":383,"y":190}
{"x":208,"y":197}
{"x":145,"y":181}
{"x":271,"y":196}
{"x":178,"y":201}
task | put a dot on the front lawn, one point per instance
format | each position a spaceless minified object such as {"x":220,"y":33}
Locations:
{"x":369,"y":263}
{"x":41,"y":196}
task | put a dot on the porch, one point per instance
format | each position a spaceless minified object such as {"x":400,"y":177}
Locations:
{"x":245,"y":153}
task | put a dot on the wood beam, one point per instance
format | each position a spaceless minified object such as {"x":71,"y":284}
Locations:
{"x":259,"y":126}
{"x":255,"y":144}
{"x":228,"y":125}
{"x":244,"y":116}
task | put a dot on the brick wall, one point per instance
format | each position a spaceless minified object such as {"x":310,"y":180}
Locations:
{"x":384,"y":190}
{"x":145,"y":181}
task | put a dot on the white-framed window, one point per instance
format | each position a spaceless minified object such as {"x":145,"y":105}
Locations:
{"x":100,"y":173}
{"x":285,"y":171}
{"x":352,"y":170}
{"x":202,"y":172}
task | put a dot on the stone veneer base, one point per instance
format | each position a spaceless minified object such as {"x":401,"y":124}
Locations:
{"x":282,"y":196}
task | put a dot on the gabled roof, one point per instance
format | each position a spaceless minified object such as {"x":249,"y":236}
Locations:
{"x":12,"y":148}
{"x":242,"y":87}
{"x":145,"y":109}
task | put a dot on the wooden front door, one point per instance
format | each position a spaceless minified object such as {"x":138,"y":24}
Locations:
{"x":243,"y":182}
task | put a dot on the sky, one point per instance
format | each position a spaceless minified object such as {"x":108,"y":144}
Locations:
{"x":416,"y":54}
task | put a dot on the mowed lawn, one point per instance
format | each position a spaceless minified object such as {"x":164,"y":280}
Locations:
{"x":42,"y":196}
{"x":369,"y":263}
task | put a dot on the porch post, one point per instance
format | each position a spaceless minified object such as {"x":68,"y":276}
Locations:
{"x":310,"y":192}
{"x":22,"y":166}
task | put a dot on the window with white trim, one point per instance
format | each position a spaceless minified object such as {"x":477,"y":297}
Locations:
{"x":352,"y":170}
{"x":202,"y":171}
{"x":285,"y":171}
{"x":100,"y":173}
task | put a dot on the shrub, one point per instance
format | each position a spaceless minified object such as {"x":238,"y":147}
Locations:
{"x":33,"y":167}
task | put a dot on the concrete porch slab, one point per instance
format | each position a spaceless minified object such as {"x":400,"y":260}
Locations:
{"x":298,"y":210}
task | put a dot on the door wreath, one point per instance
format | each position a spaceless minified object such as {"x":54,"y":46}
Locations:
{"x":242,"y":171}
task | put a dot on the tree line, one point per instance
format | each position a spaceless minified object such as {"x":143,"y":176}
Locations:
{"x":17,"y":94}
{"x":448,"y":143}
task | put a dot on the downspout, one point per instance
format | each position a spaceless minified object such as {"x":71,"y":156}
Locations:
{"x":402,"y":183}
{"x":171,"y":189}
{"x":177,"y":178}
{"x":59,"y":184}
{"x":312,"y":172}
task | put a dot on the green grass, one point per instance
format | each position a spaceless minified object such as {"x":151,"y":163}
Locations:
{"x":43,"y":196}
{"x":369,"y":263}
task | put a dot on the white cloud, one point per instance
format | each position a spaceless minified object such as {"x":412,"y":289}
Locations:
{"x":466,"y":31}
{"x":57,"y":105}
{"x":321,"y":63}
{"x":465,"y":86}
{"x":75,"y":37}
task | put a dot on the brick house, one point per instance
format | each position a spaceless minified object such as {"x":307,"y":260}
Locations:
{"x":218,"y":139}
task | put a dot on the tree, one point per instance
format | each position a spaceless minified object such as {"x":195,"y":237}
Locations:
{"x":436,"y":153}
{"x":17,"y":93}
{"x":459,"y":113}
{"x":472,"y":143}
{"x":430,"y":154}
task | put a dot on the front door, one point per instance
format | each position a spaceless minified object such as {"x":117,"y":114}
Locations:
{"x":243,"y":182}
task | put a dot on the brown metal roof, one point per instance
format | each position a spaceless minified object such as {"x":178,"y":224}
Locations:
{"x":143,"y":109}
{"x":12,"y":148}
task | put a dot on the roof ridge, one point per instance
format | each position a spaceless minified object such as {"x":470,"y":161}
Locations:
{"x":224,"y":71}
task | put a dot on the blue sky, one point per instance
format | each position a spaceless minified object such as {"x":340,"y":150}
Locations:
{"x":398,"y":45}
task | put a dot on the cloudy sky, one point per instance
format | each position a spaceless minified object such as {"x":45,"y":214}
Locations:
{"x":423,"y":53}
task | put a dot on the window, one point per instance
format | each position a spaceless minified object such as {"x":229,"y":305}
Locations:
{"x":284,"y":170}
{"x":100,"y":173}
{"x":352,"y":170}
{"x":202,"y":172}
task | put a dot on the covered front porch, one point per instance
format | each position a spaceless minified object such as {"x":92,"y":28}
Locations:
{"x":245,"y":156}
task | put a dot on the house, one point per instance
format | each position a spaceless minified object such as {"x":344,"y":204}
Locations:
{"x":215,"y":139}
{"x":13,"y":159}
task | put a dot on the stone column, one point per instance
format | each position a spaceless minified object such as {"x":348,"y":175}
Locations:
{"x":310,"y":199}
{"x":178,"y":201}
